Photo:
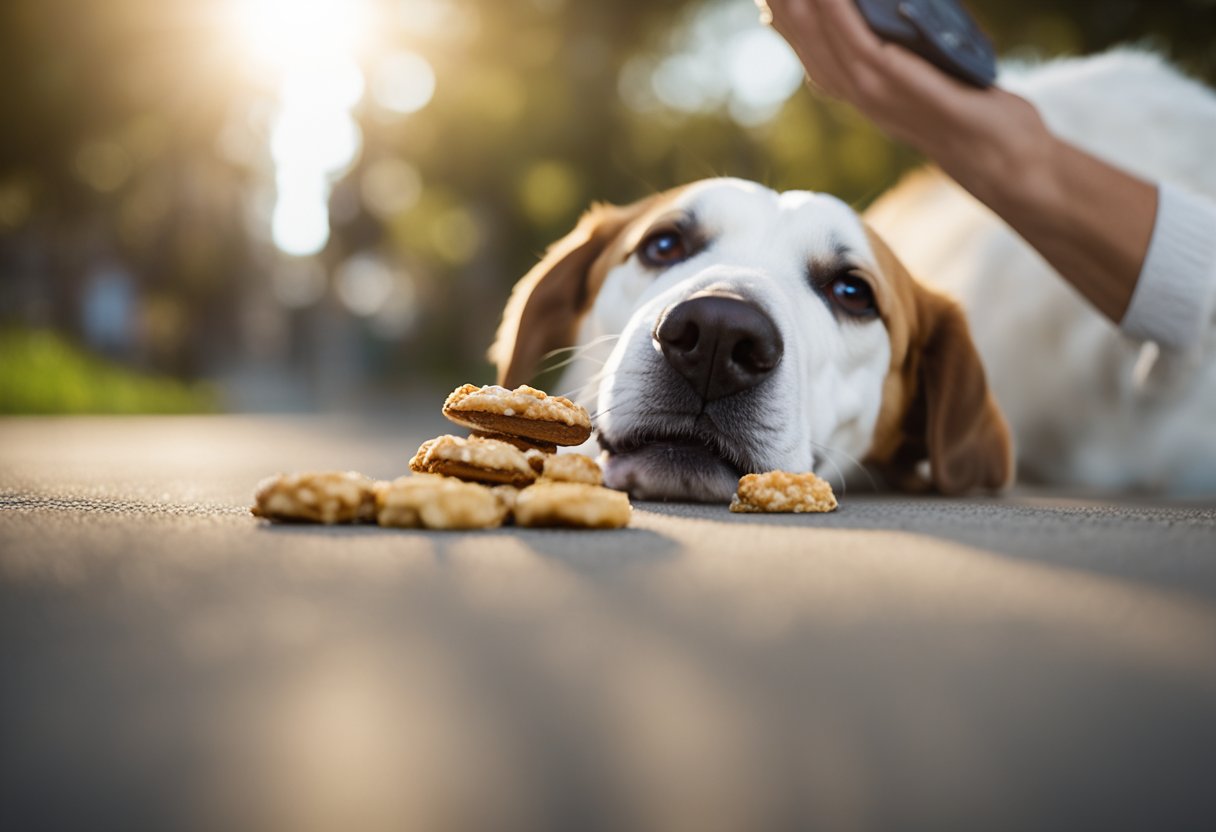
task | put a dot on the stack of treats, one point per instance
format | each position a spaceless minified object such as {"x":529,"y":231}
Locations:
{"x":507,"y":469}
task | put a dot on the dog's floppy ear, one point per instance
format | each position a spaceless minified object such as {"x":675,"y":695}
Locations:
{"x":937,"y":405}
{"x":965,"y":435}
{"x":547,"y":303}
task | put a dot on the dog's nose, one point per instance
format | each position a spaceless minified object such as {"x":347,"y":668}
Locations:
{"x":722,"y":344}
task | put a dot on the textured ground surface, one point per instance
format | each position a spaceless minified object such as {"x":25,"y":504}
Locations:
{"x":167,"y":662}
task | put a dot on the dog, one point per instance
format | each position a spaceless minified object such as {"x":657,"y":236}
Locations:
{"x":722,"y":327}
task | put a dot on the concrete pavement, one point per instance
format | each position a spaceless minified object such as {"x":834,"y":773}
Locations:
{"x":168,"y":662}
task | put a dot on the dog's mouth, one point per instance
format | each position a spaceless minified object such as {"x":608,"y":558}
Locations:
{"x":696,"y":465}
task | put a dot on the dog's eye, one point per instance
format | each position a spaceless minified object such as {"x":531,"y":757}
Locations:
{"x":663,"y":248}
{"x":853,"y":296}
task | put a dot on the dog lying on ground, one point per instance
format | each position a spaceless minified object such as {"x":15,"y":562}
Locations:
{"x":723,"y":328}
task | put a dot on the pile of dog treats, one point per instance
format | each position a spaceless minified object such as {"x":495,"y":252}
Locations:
{"x":506,"y":470}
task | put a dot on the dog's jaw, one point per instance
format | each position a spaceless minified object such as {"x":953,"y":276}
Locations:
{"x":665,"y":470}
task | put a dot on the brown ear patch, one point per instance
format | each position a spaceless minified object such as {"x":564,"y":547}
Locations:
{"x":965,"y":433}
{"x":936,"y":402}
{"x":547,"y":304}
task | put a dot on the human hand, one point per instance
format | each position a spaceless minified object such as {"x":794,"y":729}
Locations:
{"x":956,"y":124}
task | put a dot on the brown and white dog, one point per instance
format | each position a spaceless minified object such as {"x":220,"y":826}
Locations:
{"x":723,"y":328}
{"x":757,"y":331}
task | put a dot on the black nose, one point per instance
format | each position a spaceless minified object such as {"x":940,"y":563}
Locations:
{"x":720,"y":343}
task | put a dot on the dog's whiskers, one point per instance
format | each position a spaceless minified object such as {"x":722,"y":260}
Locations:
{"x":578,"y":352}
{"x":594,"y":380}
{"x":578,"y":347}
{"x":828,"y":450}
{"x":600,"y":413}
{"x":567,"y":362}
{"x":578,"y":392}
{"x":844,"y":485}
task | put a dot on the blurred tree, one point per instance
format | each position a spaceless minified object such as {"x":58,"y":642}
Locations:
{"x":111,"y":113}
{"x":136,"y":134}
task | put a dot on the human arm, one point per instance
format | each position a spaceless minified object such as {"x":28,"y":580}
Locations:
{"x":1092,"y":221}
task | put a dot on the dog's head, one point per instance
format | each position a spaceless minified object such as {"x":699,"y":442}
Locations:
{"x":757,"y":331}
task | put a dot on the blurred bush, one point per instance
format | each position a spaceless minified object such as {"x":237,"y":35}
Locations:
{"x":157,"y":204}
{"x":41,"y":372}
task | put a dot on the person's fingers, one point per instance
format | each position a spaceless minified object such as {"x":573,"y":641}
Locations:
{"x":905,"y":95}
{"x":878,"y":66}
{"x":847,"y":69}
{"x":853,"y":35}
{"x":794,"y":21}
{"x":857,"y":49}
{"x":885,"y":77}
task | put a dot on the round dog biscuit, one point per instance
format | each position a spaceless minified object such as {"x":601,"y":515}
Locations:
{"x":474,"y":459}
{"x":329,"y":497}
{"x":572,"y":504}
{"x":431,"y":501}
{"x":524,"y":412}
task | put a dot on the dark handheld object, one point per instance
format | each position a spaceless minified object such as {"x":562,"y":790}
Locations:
{"x":941,"y":31}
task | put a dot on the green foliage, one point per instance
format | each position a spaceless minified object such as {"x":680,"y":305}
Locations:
{"x":42,"y":373}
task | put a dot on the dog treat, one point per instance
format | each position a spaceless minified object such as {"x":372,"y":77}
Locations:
{"x":475,"y":459}
{"x":507,"y":467}
{"x":550,"y":503}
{"x":536,"y":459}
{"x":524,"y":412}
{"x":781,"y":491}
{"x":518,"y":441}
{"x":507,"y":495}
{"x":332,"y":497}
{"x":431,"y":501}
{"x":572,"y":468}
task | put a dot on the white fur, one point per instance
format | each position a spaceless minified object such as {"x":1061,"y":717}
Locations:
{"x":1088,"y":407}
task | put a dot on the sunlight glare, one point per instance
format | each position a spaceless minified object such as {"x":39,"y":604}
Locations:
{"x":288,"y":33}
{"x":404,"y":82}
{"x":721,"y":58}
{"x":364,"y":283}
{"x":300,"y":223}
{"x":321,"y":139}
{"x":309,"y":47}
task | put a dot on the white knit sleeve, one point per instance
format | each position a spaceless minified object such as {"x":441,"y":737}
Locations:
{"x":1175,"y":297}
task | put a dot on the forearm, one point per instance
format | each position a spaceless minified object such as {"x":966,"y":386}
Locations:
{"x":1091,"y":221}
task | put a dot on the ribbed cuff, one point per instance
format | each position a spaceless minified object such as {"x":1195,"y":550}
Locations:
{"x":1174,"y":298}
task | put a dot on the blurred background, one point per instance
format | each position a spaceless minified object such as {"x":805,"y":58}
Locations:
{"x":322,"y":204}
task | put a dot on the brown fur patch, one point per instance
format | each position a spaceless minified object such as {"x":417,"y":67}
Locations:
{"x":548,"y":303}
{"x":936,"y":403}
